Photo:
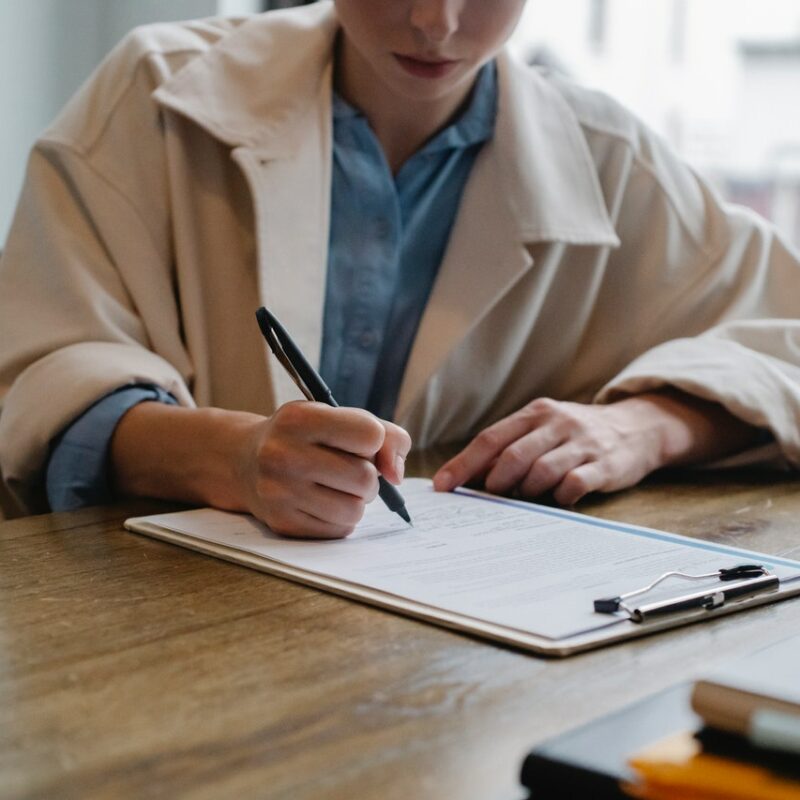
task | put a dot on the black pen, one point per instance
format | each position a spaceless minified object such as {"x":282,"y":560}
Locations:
{"x":314,"y":388}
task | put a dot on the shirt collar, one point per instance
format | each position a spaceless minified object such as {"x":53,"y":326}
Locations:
{"x":474,"y":125}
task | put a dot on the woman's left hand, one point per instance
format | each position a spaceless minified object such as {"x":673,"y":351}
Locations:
{"x":572,"y":449}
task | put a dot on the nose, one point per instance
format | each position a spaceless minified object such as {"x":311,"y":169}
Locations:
{"x":436,"y":20}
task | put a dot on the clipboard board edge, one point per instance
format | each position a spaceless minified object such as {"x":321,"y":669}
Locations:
{"x":463,"y":624}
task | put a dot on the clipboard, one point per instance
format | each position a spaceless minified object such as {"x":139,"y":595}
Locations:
{"x":240,"y":539}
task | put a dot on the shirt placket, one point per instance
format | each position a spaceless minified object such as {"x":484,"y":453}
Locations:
{"x":373,"y":264}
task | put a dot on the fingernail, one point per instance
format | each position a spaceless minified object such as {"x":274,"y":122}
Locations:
{"x":444,"y":481}
{"x":399,"y":467}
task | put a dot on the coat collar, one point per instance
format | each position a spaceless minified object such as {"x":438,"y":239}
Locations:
{"x":543,"y":160}
{"x":252,"y":89}
{"x":266,"y":91}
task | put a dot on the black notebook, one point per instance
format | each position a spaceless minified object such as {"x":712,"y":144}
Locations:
{"x":591,"y":761}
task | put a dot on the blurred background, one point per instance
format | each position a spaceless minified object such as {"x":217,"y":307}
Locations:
{"x":718,"y":78}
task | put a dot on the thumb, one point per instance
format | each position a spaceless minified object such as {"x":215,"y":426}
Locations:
{"x":391,"y":458}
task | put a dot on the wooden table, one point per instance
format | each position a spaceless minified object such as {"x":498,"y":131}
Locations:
{"x":130,"y":668}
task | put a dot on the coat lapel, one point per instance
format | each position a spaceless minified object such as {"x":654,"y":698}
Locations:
{"x":484,"y":258}
{"x":265,"y":89}
{"x":292,"y":205}
{"x":535,"y":181}
{"x":292,"y":210}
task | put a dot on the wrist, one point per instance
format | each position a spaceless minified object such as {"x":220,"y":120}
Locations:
{"x":673,"y":433}
{"x":174,"y":453}
{"x":688,"y":429}
{"x":221,"y":477}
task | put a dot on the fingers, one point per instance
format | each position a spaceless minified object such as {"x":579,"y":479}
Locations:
{"x":350,"y":430}
{"x":571,"y":449}
{"x":323,"y":514}
{"x":342,"y":472}
{"x":297,"y":505}
{"x":479,"y":455}
{"x":316,"y":468}
{"x":579,"y":482}
{"x":513,"y":467}
{"x":567,"y":472}
{"x":547,"y":471}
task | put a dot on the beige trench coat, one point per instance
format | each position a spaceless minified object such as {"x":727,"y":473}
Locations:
{"x":188,"y":182}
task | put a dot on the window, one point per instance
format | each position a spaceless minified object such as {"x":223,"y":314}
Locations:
{"x":717,"y":78}
{"x":598,"y":13}
{"x":678,"y":30}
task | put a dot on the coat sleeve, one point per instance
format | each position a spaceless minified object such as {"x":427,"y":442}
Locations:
{"x":87,"y":302}
{"x":719,"y":314}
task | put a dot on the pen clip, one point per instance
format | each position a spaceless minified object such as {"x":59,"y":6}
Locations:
{"x":292,"y":358}
{"x":273,"y":340}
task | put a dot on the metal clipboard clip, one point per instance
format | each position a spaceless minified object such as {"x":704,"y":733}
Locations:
{"x":743,"y":581}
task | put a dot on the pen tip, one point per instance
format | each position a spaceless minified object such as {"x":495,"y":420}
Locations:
{"x":404,"y":514}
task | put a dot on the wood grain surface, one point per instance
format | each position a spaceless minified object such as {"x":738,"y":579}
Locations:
{"x":131,"y":668}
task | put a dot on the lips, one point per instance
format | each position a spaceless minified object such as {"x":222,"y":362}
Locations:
{"x":425,"y":68}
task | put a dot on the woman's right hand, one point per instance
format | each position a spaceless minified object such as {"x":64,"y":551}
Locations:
{"x":309,"y":470}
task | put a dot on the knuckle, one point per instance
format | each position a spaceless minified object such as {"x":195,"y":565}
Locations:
{"x":570,"y":423}
{"x":281,"y":523}
{"x":365,"y":479}
{"x":542,"y":405}
{"x":275,"y":460}
{"x":575,"y":484}
{"x":291,"y":415}
{"x":403,"y":439}
{"x":514,"y":457}
{"x":489,"y":439}
{"x":368,"y":480}
{"x":373,"y":491}
{"x":546,"y":472}
{"x":360,"y":511}
{"x":352,"y":513}
{"x":371,"y":428}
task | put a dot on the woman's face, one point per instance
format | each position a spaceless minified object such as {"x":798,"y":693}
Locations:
{"x":427,"y":49}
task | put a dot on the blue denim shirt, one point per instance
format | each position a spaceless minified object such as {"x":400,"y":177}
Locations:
{"x":388,"y":235}
{"x":77,"y":471}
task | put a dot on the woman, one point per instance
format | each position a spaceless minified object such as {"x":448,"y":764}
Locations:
{"x":467,"y":248}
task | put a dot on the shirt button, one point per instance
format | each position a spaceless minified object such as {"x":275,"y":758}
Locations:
{"x":383,"y":228}
{"x":368,"y":339}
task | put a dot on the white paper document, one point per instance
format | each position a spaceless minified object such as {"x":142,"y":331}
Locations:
{"x":524,"y":567}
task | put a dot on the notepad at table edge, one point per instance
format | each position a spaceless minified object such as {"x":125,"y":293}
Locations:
{"x":765,"y":680}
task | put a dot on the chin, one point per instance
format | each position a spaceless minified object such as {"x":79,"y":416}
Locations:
{"x":424,"y":90}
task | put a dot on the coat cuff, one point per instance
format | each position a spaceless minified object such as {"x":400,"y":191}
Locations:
{"x":761,"y":390}
{"x":60,"y":387}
